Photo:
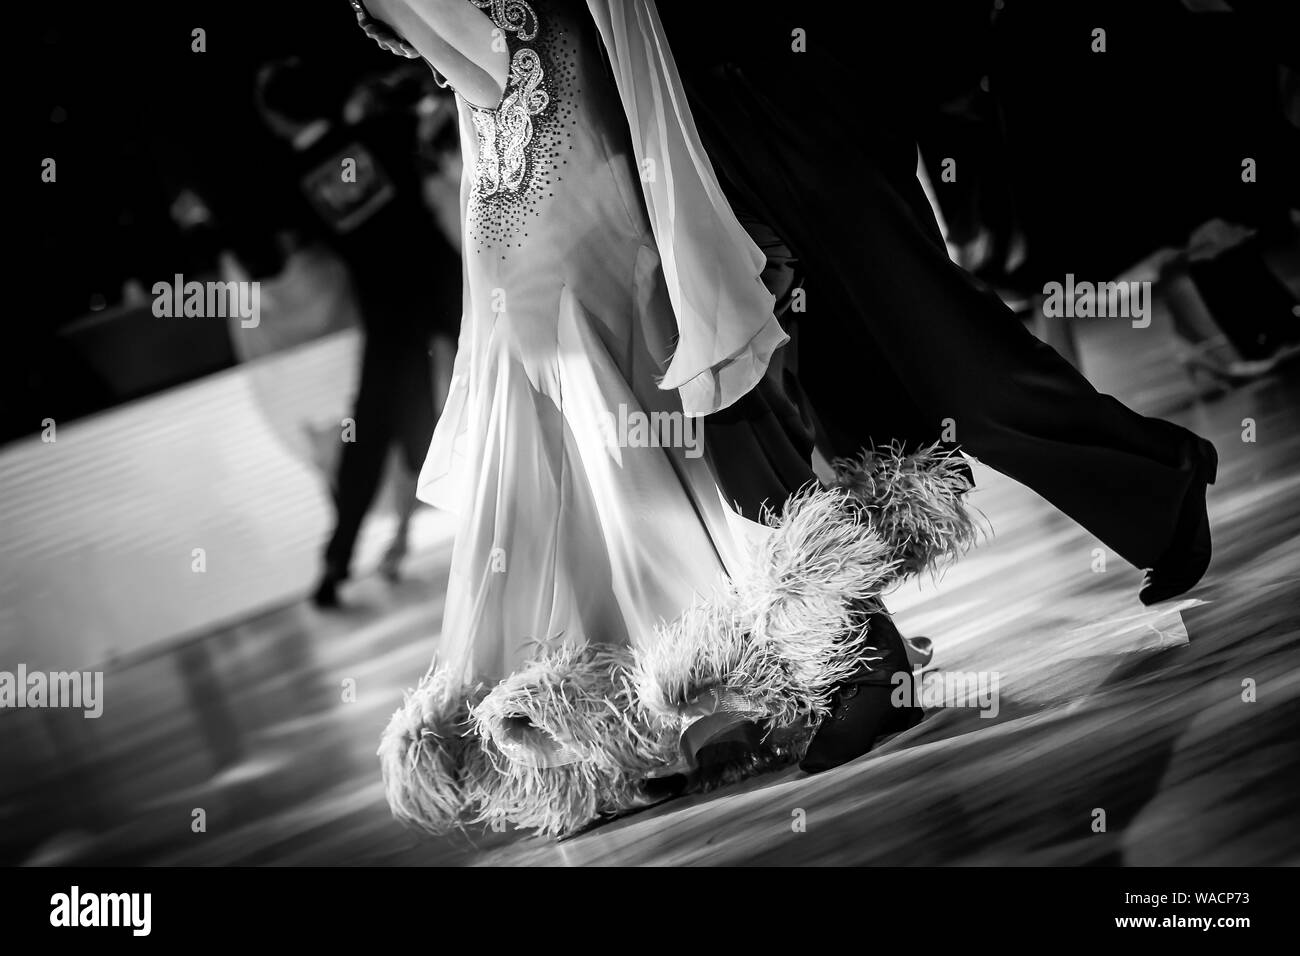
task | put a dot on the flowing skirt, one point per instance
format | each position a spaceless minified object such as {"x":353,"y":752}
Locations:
{"x":603,"y":596}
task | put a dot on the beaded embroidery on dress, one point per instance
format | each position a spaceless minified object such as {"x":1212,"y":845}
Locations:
{"x":520,"y":141}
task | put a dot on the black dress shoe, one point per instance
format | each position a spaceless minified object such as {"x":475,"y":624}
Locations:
{"x":326,"y":595}
{"x":1185,"y":562}
{"x":863,"y":711}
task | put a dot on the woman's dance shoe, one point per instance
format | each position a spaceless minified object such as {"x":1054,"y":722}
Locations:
{"x":863,"y":714}
{"x":863,"y":710}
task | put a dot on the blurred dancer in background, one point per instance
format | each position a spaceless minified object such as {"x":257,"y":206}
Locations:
{"x":360,"y":189}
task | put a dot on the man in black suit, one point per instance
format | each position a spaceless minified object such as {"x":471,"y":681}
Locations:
{"x":808,"y":112}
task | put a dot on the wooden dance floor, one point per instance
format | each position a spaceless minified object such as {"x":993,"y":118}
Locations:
{"x":1175,"y":727}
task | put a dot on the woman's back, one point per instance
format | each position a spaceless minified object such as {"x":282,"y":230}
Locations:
{"x":554,"y":155}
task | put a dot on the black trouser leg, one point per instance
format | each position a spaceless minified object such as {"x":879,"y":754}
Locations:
{"x":413,"y":408}
{"x":761,"y":447}
{"x":361,"y":464}
{"x":900,"y":343}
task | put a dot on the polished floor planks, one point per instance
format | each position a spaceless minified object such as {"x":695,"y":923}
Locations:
{"x":1105,"y":707}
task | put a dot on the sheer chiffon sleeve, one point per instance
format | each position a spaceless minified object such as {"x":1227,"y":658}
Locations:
{"x":727,"y":330}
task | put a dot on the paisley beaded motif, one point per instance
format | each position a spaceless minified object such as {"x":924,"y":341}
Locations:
{"x":504,"y":134}
{"x":513,"y":16}
{"x":519,"y":142}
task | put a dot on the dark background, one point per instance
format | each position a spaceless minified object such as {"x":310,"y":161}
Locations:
{"x":133,"y":117}
{"x":1101,"y":158}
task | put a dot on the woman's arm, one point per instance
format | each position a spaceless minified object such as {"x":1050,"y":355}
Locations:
{"x":459,"y":41}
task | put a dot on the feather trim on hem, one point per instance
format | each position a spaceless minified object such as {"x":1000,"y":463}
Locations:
{"x":916,"y":502}
{"x":567,"y":741}
{"x":792,"y":628}
{"x":422,"y":753}
{"x":574,"y":734}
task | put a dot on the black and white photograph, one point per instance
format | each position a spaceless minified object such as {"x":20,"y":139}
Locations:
{"x":655,"y":433}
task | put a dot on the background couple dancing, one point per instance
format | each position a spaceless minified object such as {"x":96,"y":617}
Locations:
{"x":646,"y":192}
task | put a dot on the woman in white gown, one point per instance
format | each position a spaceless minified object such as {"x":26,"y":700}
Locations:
{"x":601,"y":592}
